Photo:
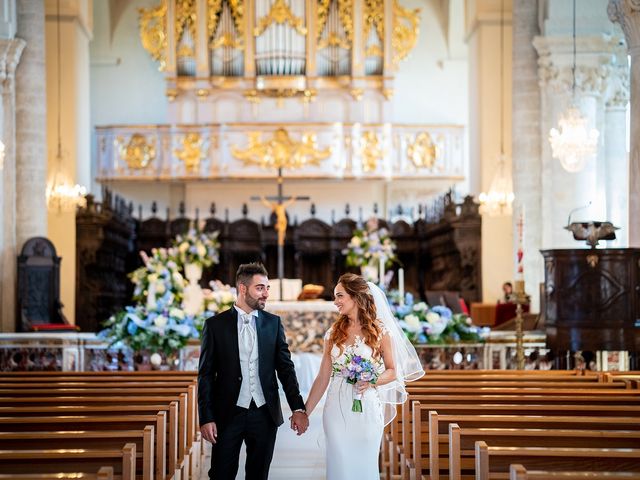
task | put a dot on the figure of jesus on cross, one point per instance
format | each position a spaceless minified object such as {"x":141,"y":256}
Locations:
{"x":278,"y":205}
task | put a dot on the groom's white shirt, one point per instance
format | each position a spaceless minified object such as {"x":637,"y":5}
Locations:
{"x":251,"y":388}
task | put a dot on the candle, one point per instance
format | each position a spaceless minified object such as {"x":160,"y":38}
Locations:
{"x":381,"y":271}
{"x":520,"y":251}
{"x":401,"y":284}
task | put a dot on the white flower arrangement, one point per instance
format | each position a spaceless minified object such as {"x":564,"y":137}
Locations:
{"x":369,"y":246}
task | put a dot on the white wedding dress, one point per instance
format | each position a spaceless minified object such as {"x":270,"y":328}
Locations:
{"x":352,"y":438}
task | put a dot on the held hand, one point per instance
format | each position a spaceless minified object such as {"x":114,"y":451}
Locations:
{"x":362,"y":387}
{"x":299,"y":422}
{"x":209,"y":432}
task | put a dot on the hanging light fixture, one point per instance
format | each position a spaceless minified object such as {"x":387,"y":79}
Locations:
{"x":573,"y":143}
{"x":62,"y":195}
{"x":498,"y":200}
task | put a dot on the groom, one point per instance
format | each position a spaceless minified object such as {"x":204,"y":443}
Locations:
{"x":242,"y":350}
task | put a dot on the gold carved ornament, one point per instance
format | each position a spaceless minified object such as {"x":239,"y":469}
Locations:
{"x":406,"y":28}
{"x":137,"y":152}
{"x":371,"y":151}
{"x":423,"y":152}
{"x":185,"y":19}
{"x":281,"y":151}
{"x":214,"y":7}
{"x":280,"y":13}
{"x":345,"y":13}
{"x":153,"y":32}
{"x":191,"y":152}
{"x":374,"y":17}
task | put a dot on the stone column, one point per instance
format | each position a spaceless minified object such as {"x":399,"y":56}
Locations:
{"x":489,"y":29}
{"x":11,"y":52}
{"x":616,"y":165}
{"x":526,"y":143}
{"x":627,"y":14}
{"x":31,"y":126}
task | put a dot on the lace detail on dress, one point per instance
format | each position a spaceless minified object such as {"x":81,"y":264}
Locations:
{"x":383,"y":329}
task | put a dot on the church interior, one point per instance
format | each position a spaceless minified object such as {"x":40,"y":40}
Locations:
{"x":475,"y":159}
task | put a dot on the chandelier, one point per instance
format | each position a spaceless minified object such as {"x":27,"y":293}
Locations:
{"x":573,"y":143}
{"x":498,"y":200}
{"x":62,"y":195}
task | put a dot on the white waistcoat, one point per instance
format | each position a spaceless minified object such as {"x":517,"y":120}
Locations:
{"x":250,"y":387}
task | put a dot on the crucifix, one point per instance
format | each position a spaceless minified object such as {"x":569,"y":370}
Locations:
{"x":278,"y":205}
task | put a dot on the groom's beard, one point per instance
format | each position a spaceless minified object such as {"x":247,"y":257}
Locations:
{"x":255,"y":303}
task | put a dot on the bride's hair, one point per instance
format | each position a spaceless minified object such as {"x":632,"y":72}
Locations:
{"x":358,"y":290}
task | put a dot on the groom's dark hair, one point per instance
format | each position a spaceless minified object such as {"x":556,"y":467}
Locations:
{"x":246,"y":271}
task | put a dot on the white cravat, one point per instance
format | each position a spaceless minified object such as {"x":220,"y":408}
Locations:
{"x":247,"y":335}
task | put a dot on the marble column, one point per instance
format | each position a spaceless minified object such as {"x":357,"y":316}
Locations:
{"x":627,"y":14}
{"x":526,"y":143}
{"x":11,"y":51}
{"x":31,"y":127}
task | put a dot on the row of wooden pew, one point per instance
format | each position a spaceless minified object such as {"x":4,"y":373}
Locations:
{"x":125,"y":425}
{"x":506,"y":424}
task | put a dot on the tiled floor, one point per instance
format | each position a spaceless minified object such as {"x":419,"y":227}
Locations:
{"x":294,"y":457}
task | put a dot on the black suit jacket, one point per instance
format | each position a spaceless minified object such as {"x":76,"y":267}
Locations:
{"x":220,"y":376}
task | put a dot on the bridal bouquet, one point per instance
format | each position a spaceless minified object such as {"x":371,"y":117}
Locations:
{"x":357,"y":369}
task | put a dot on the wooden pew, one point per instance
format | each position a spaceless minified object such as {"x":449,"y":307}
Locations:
{"x":415,"y":424}
{"x":88,"y":423}
{"x":133,"y":387}
{"x":92,"y":440}
{"x":104,"y":473}
{"x":518,"y":472}
{"x":462,"y":442}
{"x":122,"y":460}
{"x":494,"y":462}
{"x":180,"y":425}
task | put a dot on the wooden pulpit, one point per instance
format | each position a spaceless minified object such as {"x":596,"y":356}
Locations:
{"x":592,"y":299}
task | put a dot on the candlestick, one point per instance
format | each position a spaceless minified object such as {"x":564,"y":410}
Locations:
{"x":381,"y":271}
{"x":401,"y":284}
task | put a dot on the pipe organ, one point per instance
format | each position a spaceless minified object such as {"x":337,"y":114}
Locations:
{"x":287,"y":49}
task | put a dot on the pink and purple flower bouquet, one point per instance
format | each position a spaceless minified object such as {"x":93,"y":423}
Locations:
{"x":357,"y":369}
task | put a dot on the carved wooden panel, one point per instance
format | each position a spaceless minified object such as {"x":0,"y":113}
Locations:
{"x":592,"y":299}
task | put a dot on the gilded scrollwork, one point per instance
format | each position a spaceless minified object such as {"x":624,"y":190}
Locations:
{"x":185,"y":20}
{"x":280,"y":13}
{"x":371,"y":151}
{"x":322,"y":15}
{"x":374,"y":17}
{"x":345,"y":14}
{"x":138,"y":153}
{"x":214,"y":9}
{"x":423,"y":152}
{"x":406,"y":28}
{"x":192,"y":151}
{"x":153,"y":32}
{"x":281,"y":151}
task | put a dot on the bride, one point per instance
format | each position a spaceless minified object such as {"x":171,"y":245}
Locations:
{"x":367,"y":331}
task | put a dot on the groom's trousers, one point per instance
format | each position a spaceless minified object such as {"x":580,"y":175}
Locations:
{"x":256,"y":428}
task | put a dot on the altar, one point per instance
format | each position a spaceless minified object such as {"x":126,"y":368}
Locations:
{"x":305,"y":322}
